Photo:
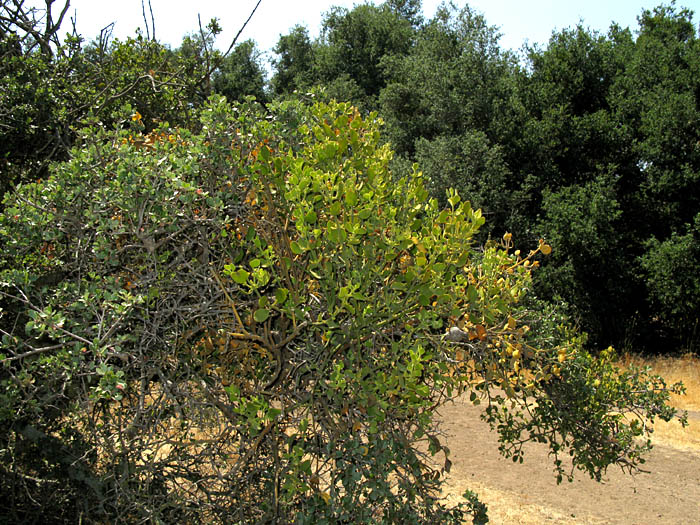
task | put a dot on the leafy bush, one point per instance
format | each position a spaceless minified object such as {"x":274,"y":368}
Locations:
{"x":46,"y":99}
{"x":256,"y":323}
{"x":673,"y":283}
{"x":582,"y":223}
{"x":52,"y":88}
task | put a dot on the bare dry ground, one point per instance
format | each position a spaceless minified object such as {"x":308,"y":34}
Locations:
{"x":527,"y":493}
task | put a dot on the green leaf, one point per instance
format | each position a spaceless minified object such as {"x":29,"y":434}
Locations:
{"x":334,"y":235}
{"x":281,"y":295}
{"x":335,"y":208}
{"x":310,"y":218}
{"x":442,"y":218}
{"x":365,"y":214}
{"x":240,"y":276}
{"x":351,"y":197}
{"x":329,"y":151}
{"x":296,"y":248}
{"x":261,"y":315}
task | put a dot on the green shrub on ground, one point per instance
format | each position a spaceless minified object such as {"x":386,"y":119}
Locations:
{"x":255,"y":324}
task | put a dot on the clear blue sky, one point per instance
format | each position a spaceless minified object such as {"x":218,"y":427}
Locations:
{"x":518,"y":20}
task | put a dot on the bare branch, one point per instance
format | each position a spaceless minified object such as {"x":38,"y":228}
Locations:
{"x":153,"y":20}
{"x":105,"y":35}
{"x":54,"y":28}
{"x":145,"y":20}
{"x":235,"y":39}
{"x":25,"y":19}
{"x":150,"y":33}
{"x":35,"y":351}
{"x":216,"y":63}
{"x":207,"y":53}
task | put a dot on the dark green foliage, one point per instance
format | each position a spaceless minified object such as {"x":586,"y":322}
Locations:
{"x":138,"y":73}
{"x":294,"y":67}
{"x":593,"y":145}
{"x":473,"y":166}
{"x":450,"y":105}
{"x":240,"y":74}
{"x":660,"y":97}
{"x":582,"y":223}
{"x":46,"y":98}
{"x":570,"y":156}
{"x":348,"y":57}
{"x":355,"y":42}
{"x":618,"y":117}
{"x":671,"y":271}
{"x":455,"y":80}
{"x":407,"y":9}
{"x":30,"y":134}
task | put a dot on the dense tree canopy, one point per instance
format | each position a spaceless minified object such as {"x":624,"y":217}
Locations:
{"x":627,"y":124}
{"x":241,"y":74}
{"x":294,"y":67}
{"x":348,"y":56}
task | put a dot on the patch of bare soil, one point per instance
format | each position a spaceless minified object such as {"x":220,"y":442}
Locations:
{"x":527,"y":493}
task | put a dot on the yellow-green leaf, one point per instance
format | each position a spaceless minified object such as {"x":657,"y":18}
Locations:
{"x":261,"y":315}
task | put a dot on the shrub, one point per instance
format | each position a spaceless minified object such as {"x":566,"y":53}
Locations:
{"x":256,"y":323}
{"x":669,"y":267}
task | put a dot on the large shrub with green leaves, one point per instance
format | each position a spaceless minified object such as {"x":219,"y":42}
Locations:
{"x":52,"y":87}
{"x":46,"y":99}
{"x":255,"y":323}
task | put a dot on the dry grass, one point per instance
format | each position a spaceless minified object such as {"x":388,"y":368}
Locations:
{"x":508,"y":508}
{"x":686,"y":369}
{"x":672,"y":434}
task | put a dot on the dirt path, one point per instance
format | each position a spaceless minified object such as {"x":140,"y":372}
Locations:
{"x":527,"y":493}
